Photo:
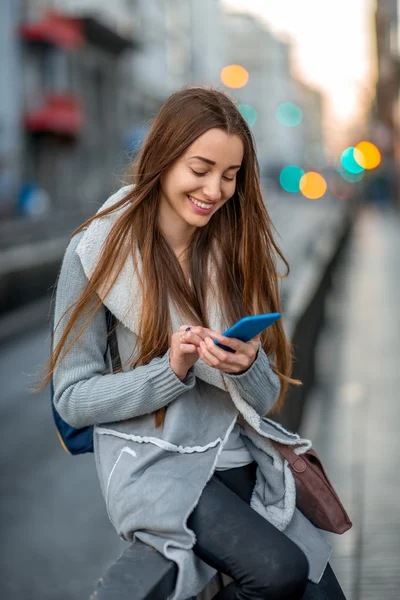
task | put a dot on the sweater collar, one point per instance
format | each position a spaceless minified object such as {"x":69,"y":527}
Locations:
{"x":124,"y":298}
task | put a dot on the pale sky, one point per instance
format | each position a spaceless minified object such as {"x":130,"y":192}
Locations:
{"x":334,"y":46}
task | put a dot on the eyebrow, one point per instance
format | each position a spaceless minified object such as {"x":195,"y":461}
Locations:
{"x":211,"y":162}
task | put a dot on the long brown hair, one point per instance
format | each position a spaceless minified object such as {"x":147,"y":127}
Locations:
{"x":241,"y":229}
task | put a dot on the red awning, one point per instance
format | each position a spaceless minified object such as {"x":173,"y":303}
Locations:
{"x":55,"y":29}
{"x":62,"y":114}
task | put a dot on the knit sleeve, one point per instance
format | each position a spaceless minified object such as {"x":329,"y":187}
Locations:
{"x":259,"y":385}
{"x":84,"y":393}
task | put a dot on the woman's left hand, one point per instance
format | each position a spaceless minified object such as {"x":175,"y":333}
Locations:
{"x":229,"y":362}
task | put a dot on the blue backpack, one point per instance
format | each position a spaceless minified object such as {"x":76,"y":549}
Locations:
{"x":73,"y":440}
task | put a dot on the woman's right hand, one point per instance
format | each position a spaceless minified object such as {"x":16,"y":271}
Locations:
{"x":184,"y":345}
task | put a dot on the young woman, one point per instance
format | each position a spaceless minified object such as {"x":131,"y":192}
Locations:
{"x":182,"y":447}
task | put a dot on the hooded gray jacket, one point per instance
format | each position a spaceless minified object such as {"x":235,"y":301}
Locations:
{"x":152,"y":478}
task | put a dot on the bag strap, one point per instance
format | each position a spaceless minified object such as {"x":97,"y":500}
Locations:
{"x":297,"y":463}
{"x":112,"y":343}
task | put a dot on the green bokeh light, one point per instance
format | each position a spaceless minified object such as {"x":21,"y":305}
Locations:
{"x":352,"y":177}
{"x":248,"y":113}
{"x":290,"y":178}
{"x":289,"y":114}
{"x":349,"y":162}
{"x":346,"y":175}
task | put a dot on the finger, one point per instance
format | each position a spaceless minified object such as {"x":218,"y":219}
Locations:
{"x":222,"y":355}
{"x":188,"y":348}
{"x":188,"y":337}
{"x":233,"y":343}
{"x":212,"y":333}
{"x":207,"y":356}
{"x":203,"y":332}
{"x":234,"y":363}
{"x":220,"y":358}
{"x":196,"y":334}
{"x":195,"y":328}
{"x":227,"y":360}
{"x":237,"y":345}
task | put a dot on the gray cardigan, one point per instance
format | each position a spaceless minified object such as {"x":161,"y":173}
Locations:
{"x":152,"y":478}
{"x":85,"y":395}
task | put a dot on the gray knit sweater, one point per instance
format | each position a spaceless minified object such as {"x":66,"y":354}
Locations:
{"x":86,"y":394}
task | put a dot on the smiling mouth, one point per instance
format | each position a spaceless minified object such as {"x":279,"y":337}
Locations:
{"x":201,"y":204}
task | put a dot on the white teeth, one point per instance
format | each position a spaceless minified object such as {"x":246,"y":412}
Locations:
{"x":201,"y":204}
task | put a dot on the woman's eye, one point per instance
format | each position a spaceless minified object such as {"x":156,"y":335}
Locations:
{"x":202,"y":175}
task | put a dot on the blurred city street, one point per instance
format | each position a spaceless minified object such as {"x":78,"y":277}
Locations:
{"x":353,"y":413}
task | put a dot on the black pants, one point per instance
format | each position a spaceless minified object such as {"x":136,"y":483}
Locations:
{"x":236,"y":540}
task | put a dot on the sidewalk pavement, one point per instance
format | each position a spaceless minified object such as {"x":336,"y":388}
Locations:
{"x":353,"y":415}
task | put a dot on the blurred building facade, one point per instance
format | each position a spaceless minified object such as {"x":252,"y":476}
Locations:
{"x":73,"y":114}
{"x":312,"y":105}
{"x":251,"y":45}
{"x":181,"y":43}
{"x":385,"y":121}
{"x":162,"y":63}
{"x":88,"y":77}
{"x":388,"y":48}
{"x":10,"y":107}
{"x":271,"y":83}
{"x":84,"y":78}
{"x":208,"y":42}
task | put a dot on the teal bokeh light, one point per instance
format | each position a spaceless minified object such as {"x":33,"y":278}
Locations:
{"x":290,"y":178}
{"x":346,"y":175}
{"x":349,"y":162}
{"x":352,"y":177}
{"x":289,"y":114}
{"x":248,"y":113}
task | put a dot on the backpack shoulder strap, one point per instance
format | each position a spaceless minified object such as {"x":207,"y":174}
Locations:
{"x":112,"y":345}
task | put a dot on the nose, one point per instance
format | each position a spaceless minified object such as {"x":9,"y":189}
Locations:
{"x":212,"y":191}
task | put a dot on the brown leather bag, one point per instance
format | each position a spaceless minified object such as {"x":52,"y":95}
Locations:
{"x":315,"y":495}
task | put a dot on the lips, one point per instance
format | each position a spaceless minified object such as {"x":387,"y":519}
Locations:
{"x":209,"y":204}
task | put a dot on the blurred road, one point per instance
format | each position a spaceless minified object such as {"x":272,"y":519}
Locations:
{"x":56,"y":537}
{"x":353,"y":415}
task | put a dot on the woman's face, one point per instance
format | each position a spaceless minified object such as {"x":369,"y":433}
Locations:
{"x":201,"y":180}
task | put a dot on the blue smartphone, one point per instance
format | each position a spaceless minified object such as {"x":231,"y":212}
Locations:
{"x":248,"y":327}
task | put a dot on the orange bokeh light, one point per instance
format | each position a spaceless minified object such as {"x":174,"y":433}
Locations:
{"x":313,"y":185}
{"x":234,"y":76}
{"x":371,"y":157}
